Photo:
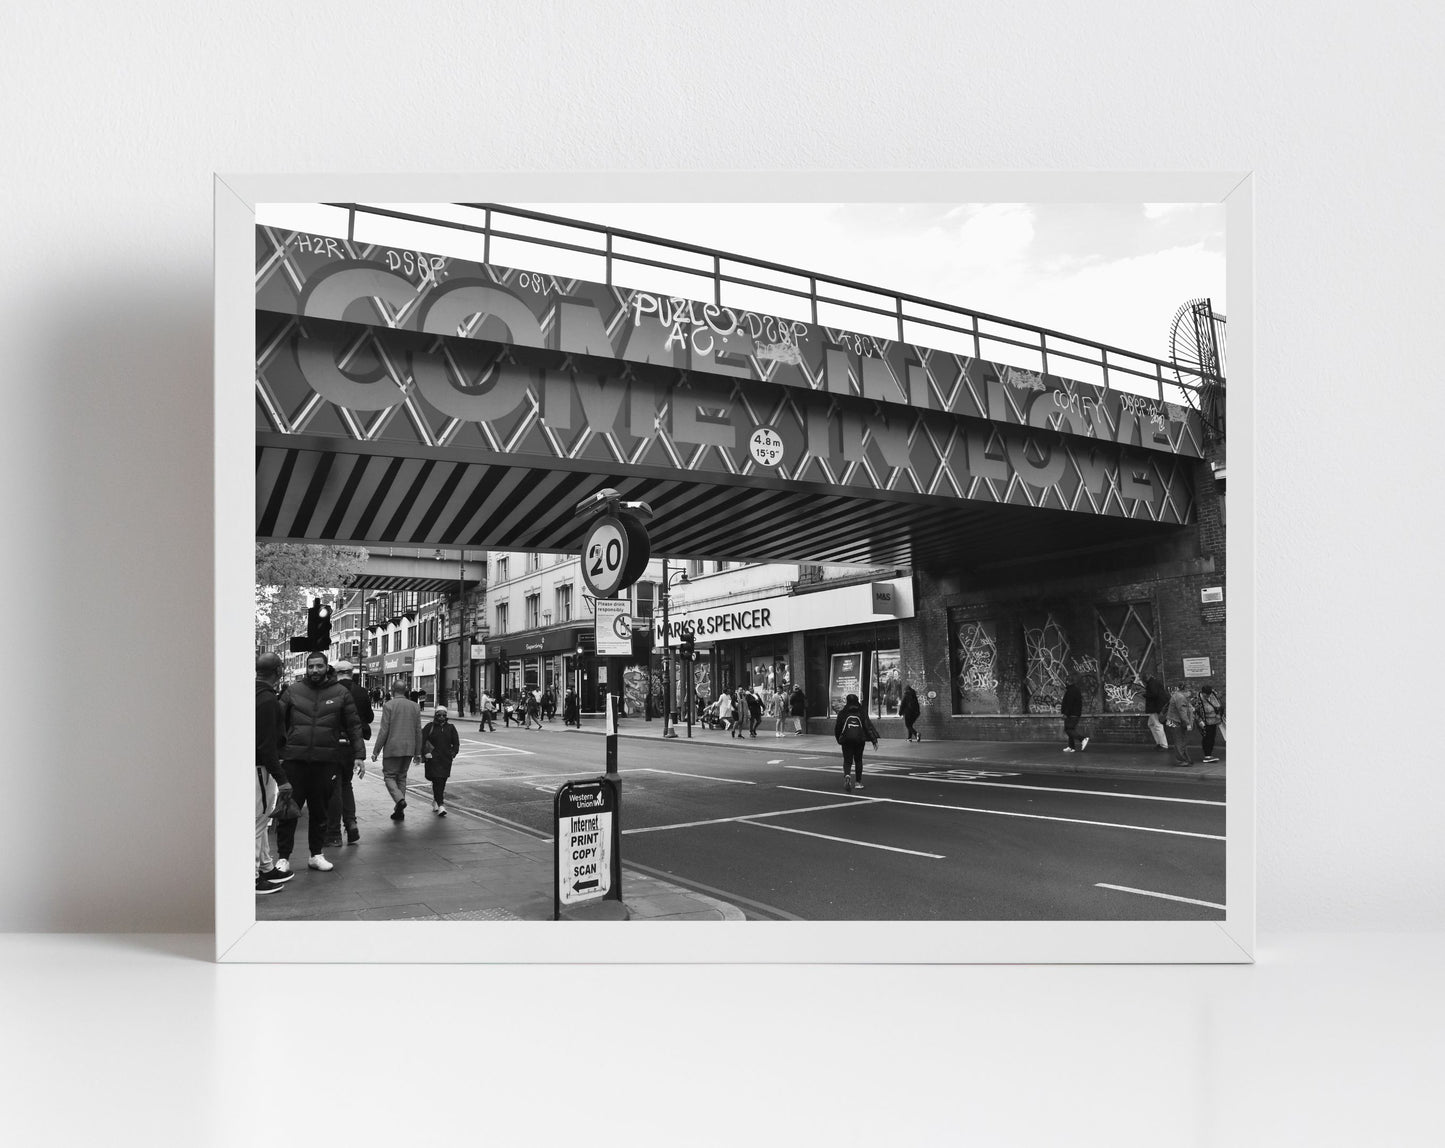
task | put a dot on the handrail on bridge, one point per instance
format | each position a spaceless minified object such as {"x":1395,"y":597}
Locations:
{"x":1039,"y":337}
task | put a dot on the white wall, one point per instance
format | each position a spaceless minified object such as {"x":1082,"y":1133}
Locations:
{"x":115,"y":116}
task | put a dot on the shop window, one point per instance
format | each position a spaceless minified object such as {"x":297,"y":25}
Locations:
{"x":1126,"y":645}
{"x":1047,"y":665}
{"x":975,"y":667}
{"x":887,"y":682}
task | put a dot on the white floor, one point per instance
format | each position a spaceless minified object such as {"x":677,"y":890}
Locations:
{"x":1327,"y":1040}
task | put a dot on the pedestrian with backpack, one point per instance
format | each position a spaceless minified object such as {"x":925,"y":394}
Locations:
{"x":851,"y":729}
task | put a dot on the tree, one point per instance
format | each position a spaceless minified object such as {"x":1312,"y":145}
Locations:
{"x":290,"y":564}
{"x":289,"y":575}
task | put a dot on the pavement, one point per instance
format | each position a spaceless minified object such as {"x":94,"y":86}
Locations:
{"x":474,"y":866}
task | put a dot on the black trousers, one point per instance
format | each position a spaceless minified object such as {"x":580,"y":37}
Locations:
{"x":853,"y":756}
{"x":342,"y":804}
{"x":1210,"y":732}
{"x":311,"y":783}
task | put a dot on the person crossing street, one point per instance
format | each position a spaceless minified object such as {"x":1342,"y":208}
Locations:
{"x":398,"y":742}
{"x":851,"y":730}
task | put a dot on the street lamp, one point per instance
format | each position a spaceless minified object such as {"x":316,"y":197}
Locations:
{"x":667,"y":730}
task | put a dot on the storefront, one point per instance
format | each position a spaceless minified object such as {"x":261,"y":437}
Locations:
{"x":772,"y":644}
{"x":424,"y":672}
{"x":398,"y":667}
{"x":547,"y":661}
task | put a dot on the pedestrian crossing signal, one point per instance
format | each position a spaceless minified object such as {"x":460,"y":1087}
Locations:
{"x":689,"y":646}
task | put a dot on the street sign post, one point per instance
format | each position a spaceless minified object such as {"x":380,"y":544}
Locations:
{"x":587,"y":855}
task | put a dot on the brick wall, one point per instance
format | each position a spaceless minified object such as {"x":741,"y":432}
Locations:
{"x":1167,"y":572}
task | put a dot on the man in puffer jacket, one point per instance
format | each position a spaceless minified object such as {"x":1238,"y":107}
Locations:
{"x":319,"y":713}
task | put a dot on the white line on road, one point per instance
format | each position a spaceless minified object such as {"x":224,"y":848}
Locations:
{"x":843,"y":840}
{"x":699,"y":776}
{"x":1026,"y":816}
{"x":744,"y":817}
{"x":1165,"y":896}
{"x":1025,"y":788}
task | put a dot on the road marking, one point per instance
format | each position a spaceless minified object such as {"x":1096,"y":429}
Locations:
{"x":1025,"y":816}
{"x":515,"y":777}
{"x":1012,"y":785}
{"x":843,"y":840}
{"x":744,"y":817}
{"x":1165,"y":896}
{"x":699,"y":776}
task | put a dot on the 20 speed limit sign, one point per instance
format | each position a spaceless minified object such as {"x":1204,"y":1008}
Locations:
{"x":604,"y":556}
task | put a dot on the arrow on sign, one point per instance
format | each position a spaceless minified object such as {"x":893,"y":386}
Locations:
{"x":580,"y":885}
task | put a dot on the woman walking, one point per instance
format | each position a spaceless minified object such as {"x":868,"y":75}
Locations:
{"x":1211,"y":716}
{"x":908,"y":710}
{"x":778,"y":711}
{"x":440,"y":745}
{"x":725,"y":711}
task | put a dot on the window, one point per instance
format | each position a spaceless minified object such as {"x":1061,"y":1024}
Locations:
{"x":975,"y":666}
{"x":564,"y":603}
{"x":501,"y":569}
{"x":1126,"y":646}
{"x":534,"y":610}
{"x":502,"y":618}
{"x":643,"y":595}
{"x":534,"y":562}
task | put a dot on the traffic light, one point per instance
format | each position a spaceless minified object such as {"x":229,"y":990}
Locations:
{"x":689,"y":646}
{"x":318,"y":625}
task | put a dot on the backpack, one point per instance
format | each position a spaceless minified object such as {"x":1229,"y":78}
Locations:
{"x":852,"y":732}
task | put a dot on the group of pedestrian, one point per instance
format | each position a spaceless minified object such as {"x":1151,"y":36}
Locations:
{"x":311,"y":743}
{"x":1169,"y":715}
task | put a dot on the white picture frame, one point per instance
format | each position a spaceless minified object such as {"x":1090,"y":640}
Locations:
{"x":241,"y":938}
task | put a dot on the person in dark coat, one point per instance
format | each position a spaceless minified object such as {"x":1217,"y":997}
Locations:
{"x":851,"y":729}
{"x":1071,"y":707}
{"x":798,"y":708}
{"x":1156,"y":700}
{"x":754,"y":709}
{"x":440,"y":745}
{"x":342,"y":806}
{"x":318,"y":711}
{"x":908,"y":710}
{"x":571,"y":711}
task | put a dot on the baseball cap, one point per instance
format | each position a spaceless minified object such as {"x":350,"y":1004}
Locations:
{"x":343,"y":668}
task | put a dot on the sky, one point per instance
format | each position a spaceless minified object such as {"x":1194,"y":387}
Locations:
{"x":1113,"y":273}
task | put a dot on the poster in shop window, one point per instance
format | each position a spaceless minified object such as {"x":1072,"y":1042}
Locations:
{"x":845,"y":677}
{"x":887,"y":690}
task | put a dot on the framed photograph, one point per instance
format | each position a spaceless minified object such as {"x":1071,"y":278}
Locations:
{"x":954,"y":442}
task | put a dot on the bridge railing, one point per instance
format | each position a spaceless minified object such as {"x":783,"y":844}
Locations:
{"x":556,"y":245}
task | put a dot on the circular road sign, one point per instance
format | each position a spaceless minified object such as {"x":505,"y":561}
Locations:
{"x":622,"y":627}
{"x":766,"y":446}
{"x":604,"y":556}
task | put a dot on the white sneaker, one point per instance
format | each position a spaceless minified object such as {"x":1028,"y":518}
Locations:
{"x":283,"y":865}
{"x":319,"y":862}
{"x":441,"y":810}
{"x":1068,"y":749}
{"x":1083,"y":745}
{"x":857,"y":785}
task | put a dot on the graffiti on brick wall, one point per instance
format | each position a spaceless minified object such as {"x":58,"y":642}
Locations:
{"x":1046,"y":649}
{"x":1127,"y":633}
{"x":977,"y":659}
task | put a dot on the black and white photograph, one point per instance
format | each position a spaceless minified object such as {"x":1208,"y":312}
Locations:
{"x":741,"y":562}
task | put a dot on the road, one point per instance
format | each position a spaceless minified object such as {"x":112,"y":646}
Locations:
{"x":766,"y":825}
